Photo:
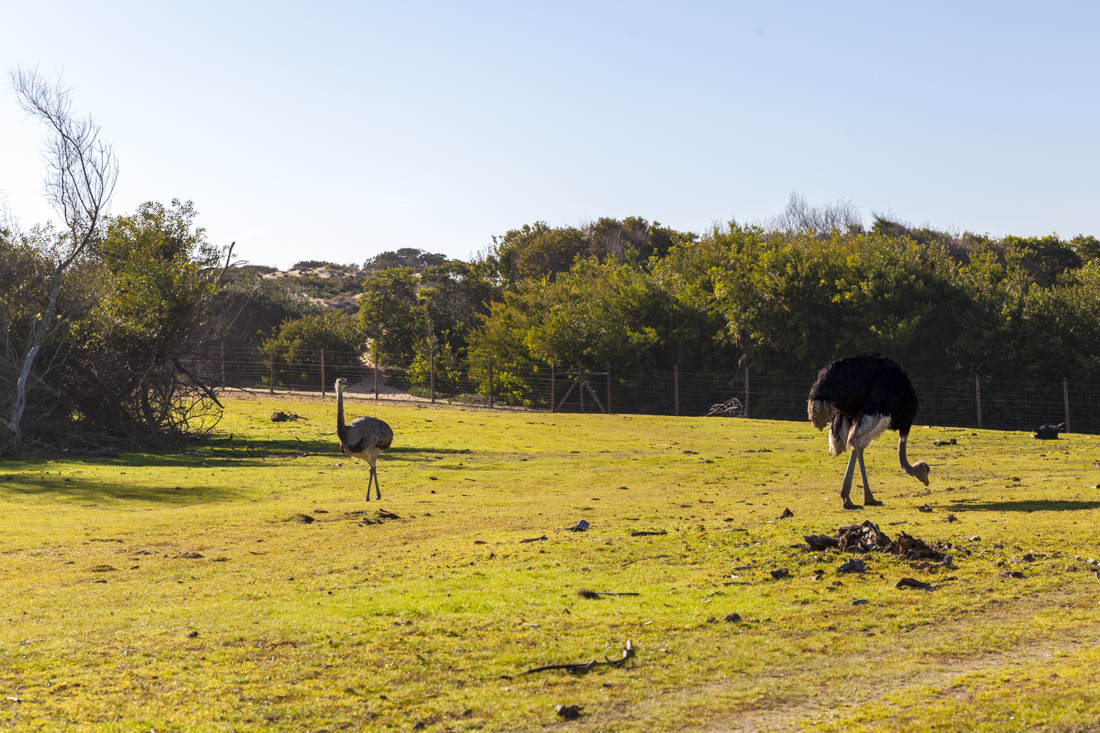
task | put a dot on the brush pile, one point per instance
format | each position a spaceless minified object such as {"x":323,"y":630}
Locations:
{"x":867,"y":537}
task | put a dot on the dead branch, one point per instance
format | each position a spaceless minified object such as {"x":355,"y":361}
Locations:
{"x":654,"y":557}
{"x":628,"y":652}
{"x":196,"y":380}
{"x":583,"y":593}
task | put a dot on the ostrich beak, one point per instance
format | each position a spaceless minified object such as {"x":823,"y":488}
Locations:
{"x":925,"y":481}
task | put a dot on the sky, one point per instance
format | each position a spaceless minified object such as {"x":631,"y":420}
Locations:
{"x":335,"y":131}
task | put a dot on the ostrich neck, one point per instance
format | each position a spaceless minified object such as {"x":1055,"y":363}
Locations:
{"x":341,"y":430}
{"x":902,"y":459}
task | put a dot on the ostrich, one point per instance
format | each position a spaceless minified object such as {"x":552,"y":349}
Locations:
{"x":858,"y":398}
{"x":364,"y":439}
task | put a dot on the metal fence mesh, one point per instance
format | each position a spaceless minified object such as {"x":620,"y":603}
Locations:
{"x":998,"y":405}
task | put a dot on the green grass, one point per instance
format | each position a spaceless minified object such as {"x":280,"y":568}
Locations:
{"x":109,"y":620}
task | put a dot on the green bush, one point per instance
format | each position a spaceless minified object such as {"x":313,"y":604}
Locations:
{"x":297,"y":345}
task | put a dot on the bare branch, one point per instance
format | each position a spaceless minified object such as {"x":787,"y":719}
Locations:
{"x":821,"y":221}
{"x":81,"y":170}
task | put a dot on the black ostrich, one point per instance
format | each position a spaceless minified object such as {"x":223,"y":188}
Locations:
{"x":858,"y":398}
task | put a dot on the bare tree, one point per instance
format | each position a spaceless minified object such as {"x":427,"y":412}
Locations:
{"x":81,"y":172}
{"x":821,"y":221}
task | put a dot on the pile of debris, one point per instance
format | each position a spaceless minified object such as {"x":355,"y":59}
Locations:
{"x":867,"y":537}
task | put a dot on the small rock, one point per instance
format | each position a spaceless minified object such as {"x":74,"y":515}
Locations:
{"x":780,"y":573}
{"x":1012,"y":574}
{"x":950,"y":518}
{"x":569,"y":712}
{"x":580,"y":526}
{"x":860,"y":602}
{"x":852,"y":566}
{"x":787,"y":513}
{"x":279,"y":416}
{"x":192,"y":634}
{"x":733,"y":618}
{"x":924,"y":508}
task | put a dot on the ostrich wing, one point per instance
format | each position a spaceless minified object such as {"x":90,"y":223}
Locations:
{"x":893,"y":396}
{"x":369,"y":432}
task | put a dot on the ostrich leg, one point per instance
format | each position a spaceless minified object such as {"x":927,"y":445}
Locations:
{"x":373,"y":479}
{"x":868,"y":500}
{"x":848,"y":474}
{"x":372,"y":456}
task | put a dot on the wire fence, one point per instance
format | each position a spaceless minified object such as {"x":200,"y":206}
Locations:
{"x":512,"y":384}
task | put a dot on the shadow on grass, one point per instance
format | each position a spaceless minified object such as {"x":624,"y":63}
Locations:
{"x":1038,"y":505}
{"x":39,"y":476}
{"x":258,"y":449}
{"x":92,"y":489}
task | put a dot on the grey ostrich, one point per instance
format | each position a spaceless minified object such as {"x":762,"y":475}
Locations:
{"x":364,"y":439}
{"x":859,"y":398}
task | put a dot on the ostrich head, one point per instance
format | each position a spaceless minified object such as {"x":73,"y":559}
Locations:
{"x":341,"y":383}
{"x":921,"y":470}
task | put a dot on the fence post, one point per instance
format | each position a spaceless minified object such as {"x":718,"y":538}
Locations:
{"x":490,"y":382}
{"x":746,"y":391}
{"x":580,"y":376}
{"x":608,"y":388}
{"x":553,"y":384}
{"x":271,"y":374}
{"x":322,"y":373}
{"x":375,"y":350}
{"x":978,"y":398}
{"x":223,"y":366}
{"x":676,"y":389}
{"x":1065,"y":397}
{"x":431,"y":369}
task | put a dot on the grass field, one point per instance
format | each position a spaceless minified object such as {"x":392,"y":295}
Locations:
{"x":244,"y":584}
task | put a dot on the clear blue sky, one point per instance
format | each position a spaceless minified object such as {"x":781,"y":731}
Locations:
{"x":338,"y":130}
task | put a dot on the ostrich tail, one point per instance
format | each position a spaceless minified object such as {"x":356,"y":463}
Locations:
{"x":820,"y":413}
